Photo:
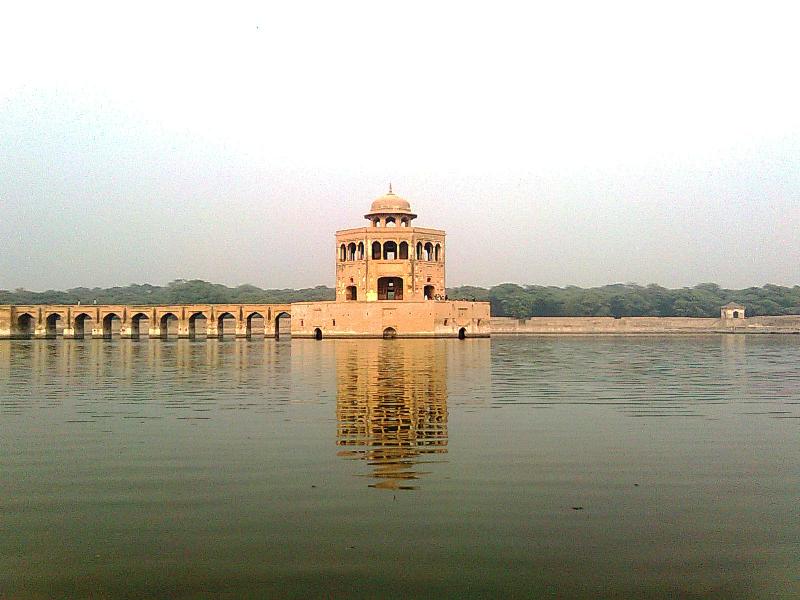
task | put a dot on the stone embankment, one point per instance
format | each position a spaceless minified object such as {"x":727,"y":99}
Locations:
{"x":642,"y":325}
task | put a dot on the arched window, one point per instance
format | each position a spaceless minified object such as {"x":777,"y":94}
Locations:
{"x":390,"y":222}
{"x":360,"y":250}
{"x":376,"y":222}
{"x":736,"y":314}
{"x":403,"y":250}
{"x":437,"y":253}
{"x":351,"y":251}
{"x":428,"y":251}
{"x":376,"y":250}
{"x":389,"y":251}
{"x":419,"y":250}
{"x":429,"y":291}
{"x":342,"y":252}
{"x":351,"y":293}
{"x":404,"y":222}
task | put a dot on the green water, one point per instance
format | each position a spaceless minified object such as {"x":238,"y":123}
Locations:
{"x":532,"y":467}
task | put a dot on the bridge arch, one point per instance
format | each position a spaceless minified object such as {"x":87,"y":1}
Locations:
{"x":51,"y":324}
{"x":25,"y":324}
{"x":280,"y":315}
{"x":79,"y":324}
{"x":192,"y":322}
{"x":253,"y":314}
{"x":163,"y":323}
{"x":136,"y":323}
{"x":221,"y":318}
{"x":108,"y":324}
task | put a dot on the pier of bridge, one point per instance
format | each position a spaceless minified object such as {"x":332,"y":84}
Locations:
{"x":43,"y":320}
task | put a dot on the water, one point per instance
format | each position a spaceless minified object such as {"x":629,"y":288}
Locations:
{"x":531,"y":467}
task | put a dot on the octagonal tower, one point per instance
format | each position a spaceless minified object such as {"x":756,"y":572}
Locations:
{"x":390,"y":259}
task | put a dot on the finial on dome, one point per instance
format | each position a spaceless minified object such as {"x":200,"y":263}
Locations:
{"x":390,"y":188}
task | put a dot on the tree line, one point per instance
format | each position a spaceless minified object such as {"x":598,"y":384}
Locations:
{"x":507,"y":299}
{"x":179,"y":291}
{"x":630,"y":300}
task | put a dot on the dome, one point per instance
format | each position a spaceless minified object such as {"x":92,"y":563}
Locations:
{"x":390,"y":204}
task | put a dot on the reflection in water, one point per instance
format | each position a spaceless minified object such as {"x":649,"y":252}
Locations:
{"x":391,"y":406}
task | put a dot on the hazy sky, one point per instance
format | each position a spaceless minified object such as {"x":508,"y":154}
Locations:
{"x":556,"y":143}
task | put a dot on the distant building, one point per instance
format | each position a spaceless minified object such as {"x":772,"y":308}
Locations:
{"x":390,"y":282}
{"x":732,"y":310}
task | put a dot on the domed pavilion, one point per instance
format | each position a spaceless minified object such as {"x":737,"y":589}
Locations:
{"x":390,"y":282}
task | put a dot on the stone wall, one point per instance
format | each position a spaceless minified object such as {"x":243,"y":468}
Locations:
{"x":403,"y":318}
{"x":642,"y":325}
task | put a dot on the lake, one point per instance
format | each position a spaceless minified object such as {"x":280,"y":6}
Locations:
{"x":510,"y":467}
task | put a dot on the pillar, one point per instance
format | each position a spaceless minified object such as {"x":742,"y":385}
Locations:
{"x":70,"y":332}
{"x":269,"y":328}
{"x":212,"y":325}
{"x":5,"y":322}
{"x":242,"y":330}
{"x":98,"y":332}
{"x":41,"y":332}
{"x":212,"y":329}
{"x":128,"y":332}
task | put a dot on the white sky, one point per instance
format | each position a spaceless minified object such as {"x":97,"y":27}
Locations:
{"x":556,"y":143}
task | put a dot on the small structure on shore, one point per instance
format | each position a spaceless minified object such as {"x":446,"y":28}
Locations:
{"x":732,"y":310}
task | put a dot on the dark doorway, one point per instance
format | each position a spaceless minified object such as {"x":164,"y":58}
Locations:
{"x":462,"y":333}
{"x":389,"y":333}
{"x":318,"y":334}
{"x":351,"y":293}
{"x":390,"y":288}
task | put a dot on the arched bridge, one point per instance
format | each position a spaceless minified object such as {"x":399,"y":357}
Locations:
{"x":45,"y":320}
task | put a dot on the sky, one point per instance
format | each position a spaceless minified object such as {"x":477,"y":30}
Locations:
{"x":557,"y":143}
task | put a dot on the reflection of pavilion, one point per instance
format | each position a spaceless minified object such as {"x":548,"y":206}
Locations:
{"x":391,"y":406}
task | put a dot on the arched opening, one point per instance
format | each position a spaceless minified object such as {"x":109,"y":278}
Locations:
{"x":351,"y":293}
{"x":80,"y":325}
{"x":376,"y":222}
{"x":403,"y":250}
{"x":389,"y":333}
{"x":136,"y":324}
{"x":317,"y":333}
{"x":222,"y":328}
{"x":25,"y":325}
{"x":360,"y":250}
{"x":389,"y":251}
{"x":109,"y":325}
{"x":351,"y":251}
{"x":390,"y":288}
{"x":167,"y":322}
{"x":428,"y":251}
{"x":462,"y":333}
{"x":51,"y":325}
{"x":429,"y":292}
{"x":390,"y":222}
{"x":342,"y":253}
{"x":437,"y":253}
{"x":404,"y":222}
{"x":736,"y":314}
{"x":376,"y":250}
{"x":255,"y":320}
{"x":194,"y":325}
{"x":283,"y":325}
{"x":419,"y":250}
